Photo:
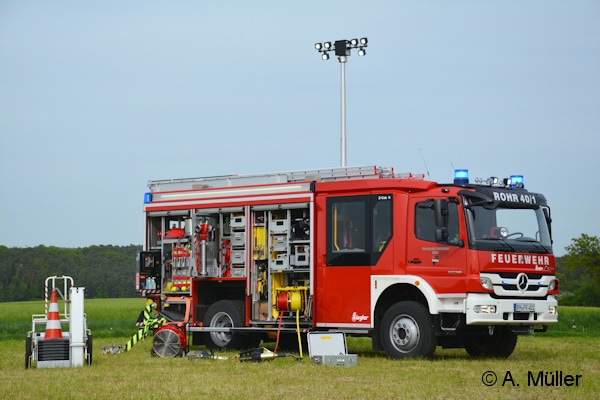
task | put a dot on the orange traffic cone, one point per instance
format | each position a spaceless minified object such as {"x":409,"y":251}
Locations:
{"x":53,"y":329}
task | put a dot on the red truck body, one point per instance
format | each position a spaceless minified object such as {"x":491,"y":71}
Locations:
{"x":412,"y":263}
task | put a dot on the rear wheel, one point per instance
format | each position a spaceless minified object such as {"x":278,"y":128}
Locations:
{"x":501,"y":343}
{"x":407,"y":331}
{"x":226,"y":314}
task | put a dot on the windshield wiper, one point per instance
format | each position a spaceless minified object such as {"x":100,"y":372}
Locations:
{"x":540,"y":248}
{"x":500,"y":240}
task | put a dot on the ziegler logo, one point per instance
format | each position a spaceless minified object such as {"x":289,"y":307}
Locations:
{"x":359,"y":318}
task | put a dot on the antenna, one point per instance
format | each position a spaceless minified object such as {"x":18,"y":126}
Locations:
{"x":426,"y":169}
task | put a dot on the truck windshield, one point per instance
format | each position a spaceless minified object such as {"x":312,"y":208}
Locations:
{"x":508,"y":229}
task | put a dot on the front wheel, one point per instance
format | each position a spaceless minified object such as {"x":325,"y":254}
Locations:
{"x":501,"y":343}
{"x":407,"y":331}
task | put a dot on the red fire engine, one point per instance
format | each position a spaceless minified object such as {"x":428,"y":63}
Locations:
{"x":412,"y":263}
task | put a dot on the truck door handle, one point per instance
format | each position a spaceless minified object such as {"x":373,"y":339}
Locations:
{"x":414,"y":261}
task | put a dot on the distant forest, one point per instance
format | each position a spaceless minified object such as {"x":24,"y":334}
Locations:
{"x":104,"y":271}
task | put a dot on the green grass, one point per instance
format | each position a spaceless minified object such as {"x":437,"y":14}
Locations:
{"x":576,"y":321}
{"x":106,"y":318}
{"x":451,"y":374}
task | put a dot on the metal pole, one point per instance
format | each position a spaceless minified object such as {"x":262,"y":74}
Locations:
{"x":343,"y":110}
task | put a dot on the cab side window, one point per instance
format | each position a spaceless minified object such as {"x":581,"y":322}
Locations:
{"x":382,"y":225}
{"x":358,"y":229}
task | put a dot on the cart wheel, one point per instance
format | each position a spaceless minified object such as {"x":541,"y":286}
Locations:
{"x":89,"y":349}
{"x":28,"y":351}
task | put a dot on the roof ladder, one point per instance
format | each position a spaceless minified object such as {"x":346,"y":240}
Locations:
{"x":324,"y":174}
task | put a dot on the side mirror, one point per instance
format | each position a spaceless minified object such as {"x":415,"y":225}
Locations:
{"x":441,"y":235}
{"x":440,"y":208}
{"x":548,"y":220}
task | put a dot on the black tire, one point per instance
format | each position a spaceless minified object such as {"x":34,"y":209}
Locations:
{"x":253,"y":340}
{"x":226,"y":314}
{"x":197,"y":338}
{"x":28,"y":351}
{"x":501,"y":344}
{"x":407,"y":331}
{"x":89,"y":349}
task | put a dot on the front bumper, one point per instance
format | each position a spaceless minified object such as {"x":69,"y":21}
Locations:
{"x":480,"y":310}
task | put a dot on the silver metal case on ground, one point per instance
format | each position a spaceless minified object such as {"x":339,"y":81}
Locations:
{"x":329,"y":348}
{"x":346,"y":360}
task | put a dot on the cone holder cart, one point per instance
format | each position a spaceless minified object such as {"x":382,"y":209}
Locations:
{"x":74,"y":349}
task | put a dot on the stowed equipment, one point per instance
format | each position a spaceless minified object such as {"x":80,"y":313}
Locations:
{"x":169,"y":338}
{"x":53,"y":347}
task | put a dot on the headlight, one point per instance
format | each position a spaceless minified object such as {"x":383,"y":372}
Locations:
{"x":485,"y":309}
{"x":486,"y":283}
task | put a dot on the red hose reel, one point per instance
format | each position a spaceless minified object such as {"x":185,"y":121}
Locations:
{"x":289,"y":301}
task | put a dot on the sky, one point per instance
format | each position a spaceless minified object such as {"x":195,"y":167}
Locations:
{"x":99,"y":97}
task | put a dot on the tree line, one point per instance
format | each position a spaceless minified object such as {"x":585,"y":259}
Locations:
{"x":109,"y":271}
{"x":579,"y":272}
{"x":104,"y":271}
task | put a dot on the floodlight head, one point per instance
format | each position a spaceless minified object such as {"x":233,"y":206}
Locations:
{"x":327,"y":45}
{"x":364,"y":41}
{"x":325,"y":56}
{"x":318,"y":46}
{"x":354,"y":42}
{"x":362,"y":52}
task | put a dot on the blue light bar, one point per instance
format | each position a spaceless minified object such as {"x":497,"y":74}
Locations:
{"x":147,"y":197}
{"x":516,"y":182}
{"x":461,"y":176}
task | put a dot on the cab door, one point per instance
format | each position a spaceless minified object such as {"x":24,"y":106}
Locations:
{"x":354,"y":232}
{"x":441,"y":260}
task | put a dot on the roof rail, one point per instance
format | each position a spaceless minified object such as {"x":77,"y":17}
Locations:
{"x":324,"y":174}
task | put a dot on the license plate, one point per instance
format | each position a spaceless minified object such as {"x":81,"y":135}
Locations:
{"x":524,"y":307}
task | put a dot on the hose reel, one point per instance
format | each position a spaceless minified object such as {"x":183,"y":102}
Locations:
{"x":289,"y":301}
{"x":291,"y":298}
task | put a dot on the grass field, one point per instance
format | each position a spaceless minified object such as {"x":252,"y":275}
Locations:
{"x":569,"y":348}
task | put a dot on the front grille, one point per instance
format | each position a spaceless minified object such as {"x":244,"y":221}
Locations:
{"x":513,"y":275}
{"x":495,"y":296}
{"x":530,"y":288}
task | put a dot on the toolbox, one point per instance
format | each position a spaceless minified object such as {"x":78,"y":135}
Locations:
{"x":329,"y":348}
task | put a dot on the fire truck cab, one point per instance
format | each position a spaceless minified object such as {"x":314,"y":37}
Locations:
{"x":412,"y":263}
